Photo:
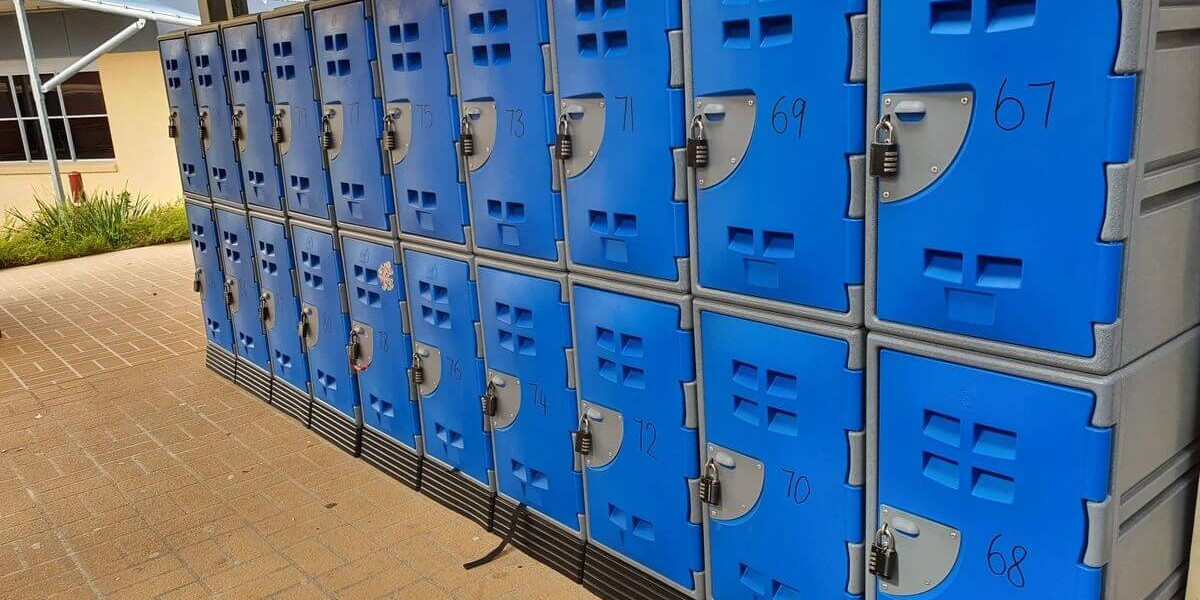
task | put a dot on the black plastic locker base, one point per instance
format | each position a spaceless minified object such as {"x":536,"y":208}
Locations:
{"x":612,"y":578}
{"x":335,"y":427}
{"x":253,"y":379}
{"x":291,"y":401}
{"x":220,"y":361}
{"x":546,"y":542}
{"x":458,"y":493}
{"x":392,"y":457}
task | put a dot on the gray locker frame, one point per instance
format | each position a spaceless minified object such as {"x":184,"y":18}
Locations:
{"x":856,"y":338}
{"x":550,"y":66}
{"x":406,"y":316}
{"x":283,"y":11}
{"x":559,"y":277}
{"x":264,"y":75}
{"x":1152,"y":407}
{"x":474,"y":277}
{"x":285,"y":222}
{"x":1153,"y":206}
{"x":855,"y":203}
{"x":683,"y":264}
{"x":691,"y":419}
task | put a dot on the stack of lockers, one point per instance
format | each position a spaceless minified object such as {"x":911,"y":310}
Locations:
{"x":595,"y":274}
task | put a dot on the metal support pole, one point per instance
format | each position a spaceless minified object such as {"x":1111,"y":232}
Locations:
{"x":90,"y":57}
{"x":39,"y":100}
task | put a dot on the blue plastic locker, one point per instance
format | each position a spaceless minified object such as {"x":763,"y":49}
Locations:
{"x":183,"y":122}
{"x":636,"y":380}
{"x":297,"y":112}
{"x":324,"y":324}
{"x":445,"y":314}
{"x":774,"y":213}
{"x":375,"y":291}
{"x":527,"y":341}
{"x":503,"y":58}
{"x":279,"y":301}
{"x":252,"y":116}
{"x":209,"y":277}
{"x":421,"y":114}
{"x":984,"y":479}
{"x":992,"y":229}
{"x":620,"y":100}
{"x":783,"y":408}
{"x":241,"y":282}
{"x":215,"y":120}
{"x":351,"y":114}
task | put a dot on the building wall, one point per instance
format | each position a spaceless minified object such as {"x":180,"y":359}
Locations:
{"x":135,"y":99}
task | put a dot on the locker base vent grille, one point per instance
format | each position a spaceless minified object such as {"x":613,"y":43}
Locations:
{"x":392,"y":457}
{"x":543,"y":540}
{"x":291,"y":401}
{"x":253,"y":379}
{"x":335,"y":428}
{"x":220,"y":361}
{"x":458,"y":493}
{"x":612,"y":578}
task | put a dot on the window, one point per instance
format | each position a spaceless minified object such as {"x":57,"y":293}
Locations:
{"x":78,"y":120}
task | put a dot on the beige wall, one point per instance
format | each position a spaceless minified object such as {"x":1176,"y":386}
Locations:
{"x":136,"y":101}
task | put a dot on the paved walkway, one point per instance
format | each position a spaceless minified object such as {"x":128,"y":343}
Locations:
{"x":127,"y":470}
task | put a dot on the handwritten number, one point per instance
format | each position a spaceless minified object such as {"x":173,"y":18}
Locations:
{"x":780,"y":121}
{"x":516,"y":122}
{"x":1052,"y":85}
{"x":539,"y":397}
{"x":627,"y":118}
{"x":999,"y":565}
{"x":647,"y":435}
{"x":799,"y":488}
{"x":455,"y":369}
{"x":1010,"y":113}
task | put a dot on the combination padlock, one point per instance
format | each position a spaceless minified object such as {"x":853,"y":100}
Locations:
{"x":198,"y":280}
{"x":302,"y":328}
{"x":236,"y":129}
{"x":697,"y":145}
{"x":277,"y":128}
{"x":264,"y":307}
{"x":882,"y":562}
{"x":710,"y":484}
{"x":229,"y":298}
{"x":326,"y":132}
{"x":583,"y":437}
{"x":354,"y":351}
{"x":389,"y":131}
{"x":885,"y":152}
{"x":466,"y":139}
{"x":203,"y":126}
{"x":488,"y":400}
{"x":172,"y":128}
{"x":418,"y":370}
{"x":564,"y":147}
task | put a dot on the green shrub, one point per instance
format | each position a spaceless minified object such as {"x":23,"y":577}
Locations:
{"x":100,"y":222}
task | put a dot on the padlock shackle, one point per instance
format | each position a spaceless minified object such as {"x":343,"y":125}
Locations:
{"x":885,"y":126}
{"x":697,"y":128}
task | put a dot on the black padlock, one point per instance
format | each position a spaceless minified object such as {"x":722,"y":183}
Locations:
{"x":326,"y":132}
{"x":354,"y":351}
{"x":882,"y":562}
{"x":583,"y":437}
{"x":488,"y":401}
{"x":697,"y":145}
{"x":710,"y":485}
{"x":229,"y":298}
{"x":203,"y":126}
{"x":466,"y":139}
{"x":417,"y":369}
{"x":564,"y":147}
{"x":198,"y":280}
{"x":264,"y":307}
{"x":389,"y":132}
{"x":237,"y":127}
{"x":172,"y":128}
{"x":302,"y":326}
{"x":885,"y":152}
{"x":277,"y":128}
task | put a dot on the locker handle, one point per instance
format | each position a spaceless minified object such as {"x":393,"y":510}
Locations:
{"x":905,"y":526}
{"x":910,"y":111}
{"x":713,"y":111}
{"x":575,"y":111}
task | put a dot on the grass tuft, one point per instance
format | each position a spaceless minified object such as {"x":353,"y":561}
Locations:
{"x":100,"y":222}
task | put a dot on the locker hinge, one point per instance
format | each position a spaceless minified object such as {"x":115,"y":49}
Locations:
{"x":345,"y":302}
{"x":691,"y":406}
{"x":856,"y":441}
{"x":1101,"y":532}
{"x":547,"y":69}
{"x":405,"y":326}
{"x":1118,"y":194}
{"x":675,"y":43}
{"x":854,"y":574}
{"x":478,"y":339}
{"x":858,"y":49}
{"x":571,"y":373}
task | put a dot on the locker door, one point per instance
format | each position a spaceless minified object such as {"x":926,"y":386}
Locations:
{"x":252,"y":115}
{"x":781,"y":412}
{"x":414,"y":41}
{"x":987,"y":481}
{"x":375,"y":290}
{"x":206,"y":251}
{"x":503,"y":64}
{"x":634,"y":363}
{"x":352,"y":115}
{"x":773,"y":205}
{"x":444,"y":317}
{"x":212,"y":101}
{"x":289,"y":58}
{"x":237,"y":255}
{"x":181,"y":101}
{"x":624,"y":111}
{"x":323,"y":320}
{"x":527,"y":334}
{"x":992,"y":229}
{"x":275,"y":275}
